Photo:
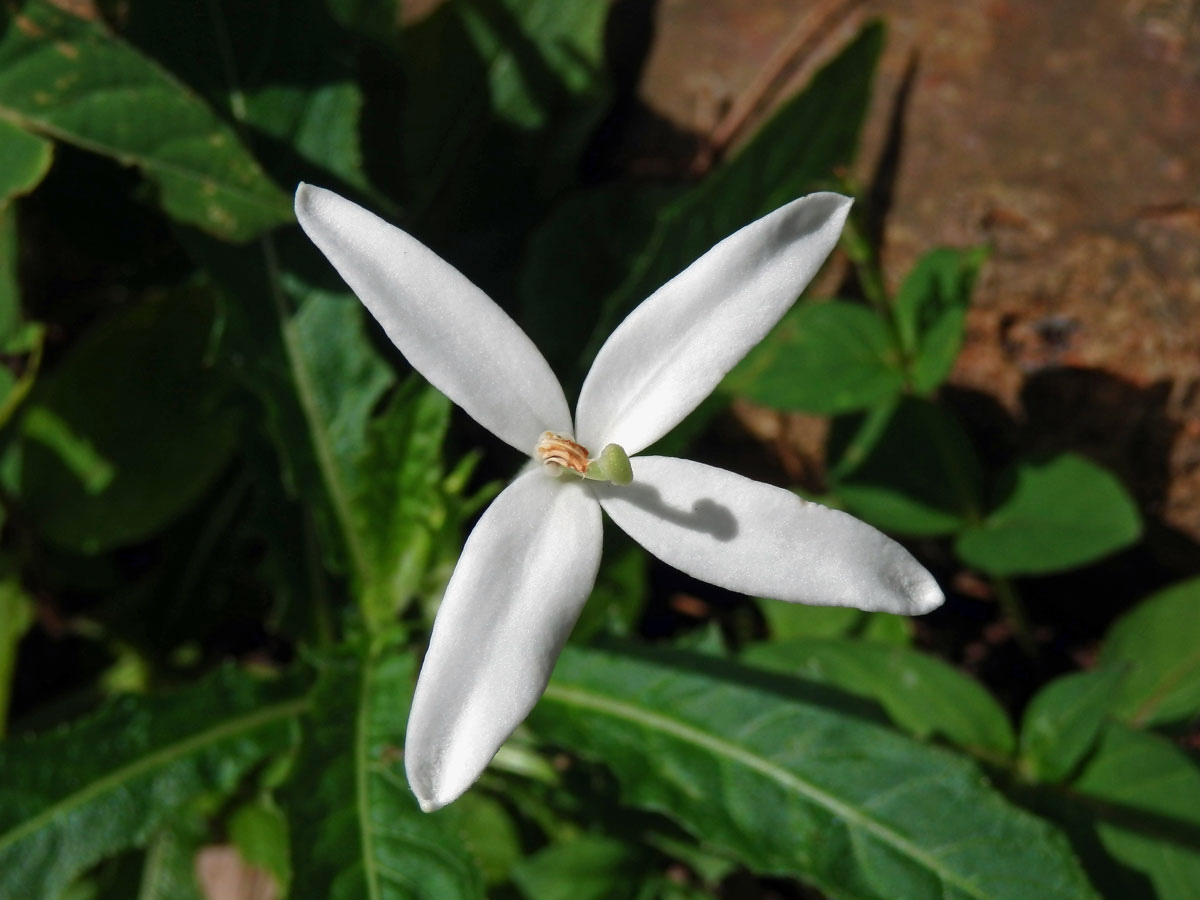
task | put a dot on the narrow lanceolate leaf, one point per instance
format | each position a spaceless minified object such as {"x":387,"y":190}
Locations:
{"x":70,"y":79}
{"x":119,"y":777}
{"x":1159,"y":645}
{"x":751,"y":767}
{"x":798,"y":151}
{"x":357,"y":831}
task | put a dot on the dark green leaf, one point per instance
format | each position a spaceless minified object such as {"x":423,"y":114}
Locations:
{"x":499,"y":98}
{"x":749,"y":765}
{"x":930,"y":311}
{"x":825,"y":358}
{"x":293,"y":95}
{"x":16,"y":615}
{"x":813,"y":136}
{"x":918,"y":475}
{"x":1158,"y":643}
{"x":578,"y":256}
{"x":123,"y":774}
{"x":169,"y":870}
{"x":619,"y":593}
{"x":920,"y":693}
{"x":69,"y":79}
{"x":1055,"y":514}
{"x":373,"y":479}
{"x":1063,"y":721}
{"x":136,"y":418}
{"x":357,"y":830}
{"x":1145,"y":795}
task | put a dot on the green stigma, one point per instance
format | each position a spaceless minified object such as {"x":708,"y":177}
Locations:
{"x":612,"y":465}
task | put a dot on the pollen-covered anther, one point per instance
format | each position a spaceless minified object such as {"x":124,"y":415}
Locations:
{"x":560,"y":451}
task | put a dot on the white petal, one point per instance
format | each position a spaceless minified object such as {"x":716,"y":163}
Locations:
{"x":523,"y":577}
{"x":448,"y":329}
{"x":671,"y":351}
{"x":761,"y":540}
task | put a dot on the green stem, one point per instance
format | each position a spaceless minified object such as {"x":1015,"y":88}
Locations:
{"x":866,"y":265}
{"x":1014,"y":613}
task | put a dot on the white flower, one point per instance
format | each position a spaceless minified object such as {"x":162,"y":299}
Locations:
{"x":531,"y":561}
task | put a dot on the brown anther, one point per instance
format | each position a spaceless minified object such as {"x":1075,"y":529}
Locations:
{"x":556,"y":449}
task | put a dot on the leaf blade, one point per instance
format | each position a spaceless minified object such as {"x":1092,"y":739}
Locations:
{"x":857,"y":820}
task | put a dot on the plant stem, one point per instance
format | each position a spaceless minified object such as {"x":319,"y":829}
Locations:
{"x":1014,"y":613}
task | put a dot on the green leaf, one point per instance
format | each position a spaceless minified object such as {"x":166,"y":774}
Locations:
{"x":301,"y":129}
{"x":825,"y":358}
{"x":69,"y":79}
{"x":1055,"y":514}
{"x":1158,"y":643}
{"x":918,"y":473}
{"x":16,"y":615}
{"x":786,"y":621}
{"x":1062,"y":722}
{"x":591,"y":867}
{"x":920,"y":693}
{"x":579,"y":255}
{"x":260,"y":832}
{"x":487,"y":830}
{"x":362,"y":453}
{"x":357,"y":830}
{"x":169,"y":870}
{"x":24,"y":161}
{"x":811,"y":138}
{"x":498,"y":100}
{"x":1144,"y":794}
{"x":930,"y":311}
{"x":138,"y":422}
{"x":746,"y":763}
{"x":120,"y":776}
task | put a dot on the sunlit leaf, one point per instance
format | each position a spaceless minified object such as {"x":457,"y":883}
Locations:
{"x":930,"y":311}
{"x":825,"y":358}
{"x":749,"y":764}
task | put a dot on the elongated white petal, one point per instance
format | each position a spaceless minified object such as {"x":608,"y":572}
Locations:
{"x":762,"y":540}
{"x":448,"y":329}
{"x":523,"y":577}
{"x":671,"y":351}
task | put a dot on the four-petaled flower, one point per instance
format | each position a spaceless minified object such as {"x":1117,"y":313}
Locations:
{"x":531,"y":561}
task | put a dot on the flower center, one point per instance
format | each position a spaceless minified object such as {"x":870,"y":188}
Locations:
{"x":567,"y":456}
{"x":554,"y":449}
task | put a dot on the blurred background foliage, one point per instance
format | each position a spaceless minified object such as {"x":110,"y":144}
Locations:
{"x":229,"y":509}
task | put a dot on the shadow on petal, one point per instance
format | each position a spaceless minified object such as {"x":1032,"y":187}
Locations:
{"x":706,"y":516}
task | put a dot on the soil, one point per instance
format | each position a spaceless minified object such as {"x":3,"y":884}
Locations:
{"x":1065,"y":136}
